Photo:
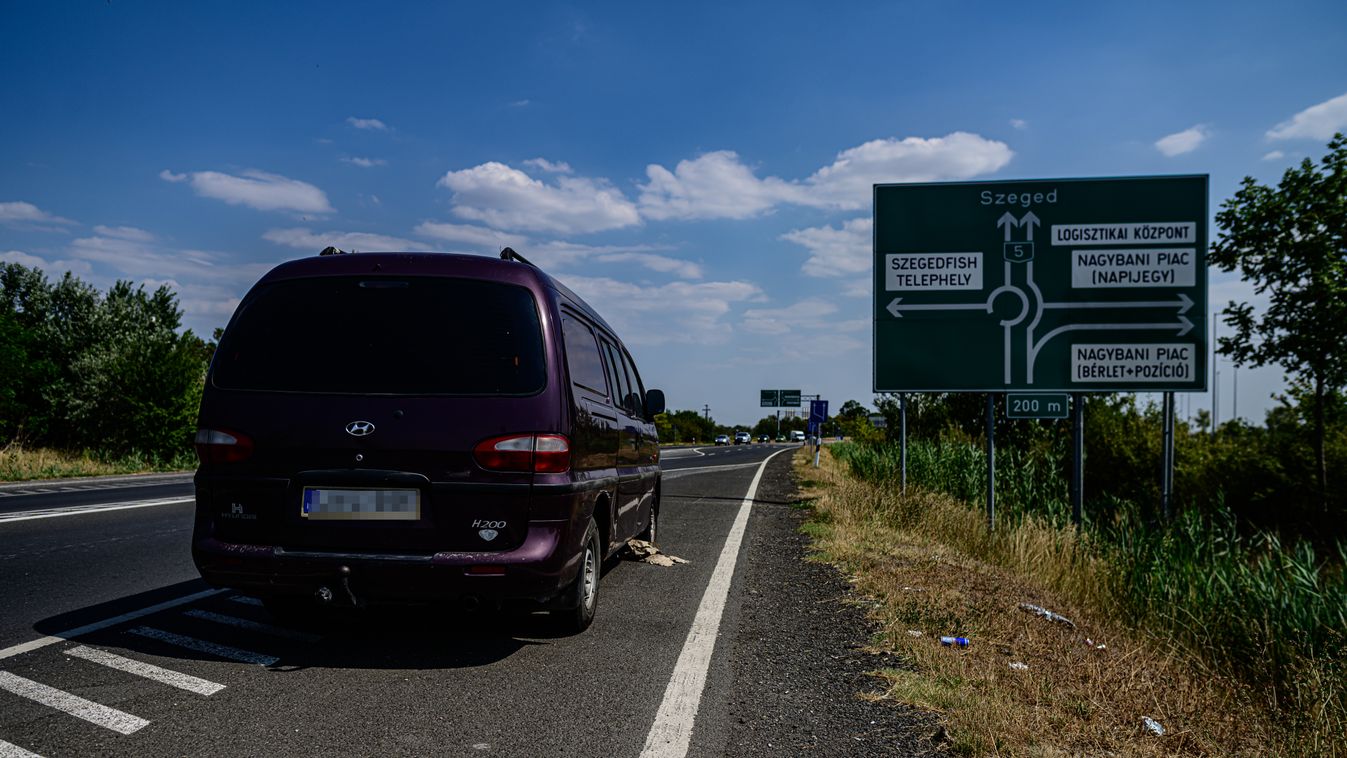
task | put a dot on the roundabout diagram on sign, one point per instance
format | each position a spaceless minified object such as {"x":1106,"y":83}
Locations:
{"x":968,"y":299}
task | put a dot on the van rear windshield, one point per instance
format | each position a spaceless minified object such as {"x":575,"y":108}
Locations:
{"x":385,"y":335}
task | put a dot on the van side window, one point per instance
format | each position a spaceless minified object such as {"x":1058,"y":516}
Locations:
{"x":621,"y":386}
{"x":636,"y":400}
{"x":582,"y":355}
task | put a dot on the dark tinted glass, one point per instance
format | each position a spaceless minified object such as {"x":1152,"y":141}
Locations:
{"x":623,"y":387}
{"x":637,"y":387}
{"x":368,"y":335}
{"x":582,"y":355}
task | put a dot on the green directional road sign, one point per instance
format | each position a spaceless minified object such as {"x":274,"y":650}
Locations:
{"x":1037,"y":405}
{"x":790,"y":398}
{"x":1042,"y":284}
{"x":770,"y":399}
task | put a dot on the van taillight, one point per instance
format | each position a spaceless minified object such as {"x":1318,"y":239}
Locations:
{"x":538,"y":453}
{"x":219,"y":446}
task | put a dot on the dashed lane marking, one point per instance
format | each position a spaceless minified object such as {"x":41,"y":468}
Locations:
{"x":245,"y":600}
{"x":203,"y":646}
{"x":253,"y":626}
{"x":101,"y":715}
{"x":149,"y":671}
{"x":10,"y":750}
{"x":69,"y":634}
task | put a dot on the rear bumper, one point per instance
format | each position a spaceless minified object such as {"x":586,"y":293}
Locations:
{"x":537,"y":571}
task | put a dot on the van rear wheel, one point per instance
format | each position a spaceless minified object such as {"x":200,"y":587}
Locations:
{"x":585,"y":590}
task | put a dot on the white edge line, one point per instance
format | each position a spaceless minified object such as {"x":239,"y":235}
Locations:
{"x":42,"y":642}
{"x":82,"y":510}
{"x":671,"y":733}
{"x":148,"y":670}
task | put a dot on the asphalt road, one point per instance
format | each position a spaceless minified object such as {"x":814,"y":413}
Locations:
{"x":411,"y":682}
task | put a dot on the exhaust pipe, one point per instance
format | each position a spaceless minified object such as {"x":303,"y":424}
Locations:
{"x":323,"y":596}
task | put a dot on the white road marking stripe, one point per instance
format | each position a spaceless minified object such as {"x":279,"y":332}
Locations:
{"x":149,"y":671}
{"x":108,"y":718}
{"x":671,"y":733}
{"x":726,"y":467}
{"x":10,"y":750}
{"x":203,"y":646}
{"x":70,"y":634}
{"x":253,"y":626}
{"x":244,"y":599}
{"x":78,"y":510}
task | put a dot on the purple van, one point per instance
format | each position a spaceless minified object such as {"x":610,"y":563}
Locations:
{"x":421,"y":428}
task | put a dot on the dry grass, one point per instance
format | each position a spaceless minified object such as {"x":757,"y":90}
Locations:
{"x":933,"y":568}
{"x":18,"y":463}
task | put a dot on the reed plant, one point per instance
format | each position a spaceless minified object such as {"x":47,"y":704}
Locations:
{"x":1245,"y":604}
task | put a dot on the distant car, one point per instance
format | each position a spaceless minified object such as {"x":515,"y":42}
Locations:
{"x":764,"y":438}
{"x":722,"y":439}
{"x":780,"y":438}
{"x":797,"y":436}
{"x":742,"y":438}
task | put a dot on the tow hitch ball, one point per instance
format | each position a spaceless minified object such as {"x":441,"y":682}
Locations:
{"x":325,"y":596}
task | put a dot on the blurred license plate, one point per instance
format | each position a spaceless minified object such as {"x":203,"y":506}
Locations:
{"x":391,"y":505}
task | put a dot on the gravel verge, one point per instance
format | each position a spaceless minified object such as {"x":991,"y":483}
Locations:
{"x":798,"y":657}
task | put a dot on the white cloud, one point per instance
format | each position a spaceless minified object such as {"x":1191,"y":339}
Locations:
{"x":713,"y":185}
{"x":507,"y":198}
{"x":368,"y":124}
{"x":719,"y":185}
{"x":676,"y":312}
{"x":660,"y":263}
{"x":53,"y":269}
{"x":19,"y":213}
{"x":1019,"y":123}
{"x":124,"y":232}
{"x":1315,"y":122}
{"x":836,"y":252}
{"x":365,"y":162}
{"x":304,"y":239}
{"x":256,"y":189}
{"x":1182,"y":142}
{"x":139,"y":260}
{"x":519,"y":103}
{"x":478,"y":236}
{"x":169,"y":176}
{"x":542,"y":164}
{"x":1274,"y":155}
{"x":807,"y":313}
{"x":847,"y":182}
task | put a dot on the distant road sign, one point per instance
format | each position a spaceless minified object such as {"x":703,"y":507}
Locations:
{"x":770,"y":398}
{"x":1037,"y":405}
{"x":1043,"y":284}
{"x":818,"y":413}
{"x":790,"y":398}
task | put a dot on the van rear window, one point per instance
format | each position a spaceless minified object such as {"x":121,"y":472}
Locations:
{"x":385,"y":335}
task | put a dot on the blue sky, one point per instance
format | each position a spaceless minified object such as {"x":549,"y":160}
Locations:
{"x":700,"y":172}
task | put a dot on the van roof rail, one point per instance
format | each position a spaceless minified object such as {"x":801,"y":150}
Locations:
{"x":329,"y":250}
{"x":508,"y":254}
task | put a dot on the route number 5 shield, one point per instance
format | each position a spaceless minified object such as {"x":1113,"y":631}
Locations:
{"x":1043,"y":285}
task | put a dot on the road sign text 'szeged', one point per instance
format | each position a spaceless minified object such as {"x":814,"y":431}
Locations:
{"x":1041,"y":285}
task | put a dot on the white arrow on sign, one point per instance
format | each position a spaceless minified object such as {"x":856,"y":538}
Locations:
{"x":897,"y":310}
{"x":1029,"y":220}
{"x":1183,"y":325}
{"x":1007,"y":221}
{"x":1183,"y":303}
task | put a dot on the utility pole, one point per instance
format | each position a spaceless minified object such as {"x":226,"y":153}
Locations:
{"x":706,"y":409}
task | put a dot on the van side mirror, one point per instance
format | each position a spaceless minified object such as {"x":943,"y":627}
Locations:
{"x":654,"y":403}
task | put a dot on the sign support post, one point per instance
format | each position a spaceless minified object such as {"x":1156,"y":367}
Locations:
{"x":1077,"y":456}
{"x":902,"y":436}
{"x":1167,"y":456}
{"x":991,"y":461}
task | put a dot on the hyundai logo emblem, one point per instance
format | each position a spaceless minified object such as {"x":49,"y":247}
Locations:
{"x":360,"y":428}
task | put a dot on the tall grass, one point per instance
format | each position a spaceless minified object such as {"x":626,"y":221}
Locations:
{"x":19,"y":463}
{"x":1271,"y":614}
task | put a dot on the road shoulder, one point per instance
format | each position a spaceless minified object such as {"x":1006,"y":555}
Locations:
{"x":798,"y":657}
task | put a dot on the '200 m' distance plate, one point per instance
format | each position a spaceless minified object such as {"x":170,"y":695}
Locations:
{"x":361,"y":504}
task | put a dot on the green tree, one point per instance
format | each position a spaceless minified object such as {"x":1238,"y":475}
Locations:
{"x":1291,"y":242}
